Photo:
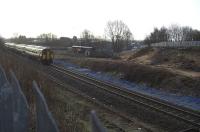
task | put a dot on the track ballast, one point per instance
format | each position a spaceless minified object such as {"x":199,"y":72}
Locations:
{"x":189,"y":116}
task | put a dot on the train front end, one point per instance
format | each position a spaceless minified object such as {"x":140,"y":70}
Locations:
{"x":47,"y":56}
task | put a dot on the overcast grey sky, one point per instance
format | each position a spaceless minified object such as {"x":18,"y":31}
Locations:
{"x":71,"y":17}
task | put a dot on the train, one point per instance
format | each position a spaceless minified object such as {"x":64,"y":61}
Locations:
{"x":44,"y":54}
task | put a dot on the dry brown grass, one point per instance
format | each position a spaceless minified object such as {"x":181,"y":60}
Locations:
{"x":65,"y":106}
{"x":144,"y":74}
{"x":70,"y":111}
{"x":185,"y":59}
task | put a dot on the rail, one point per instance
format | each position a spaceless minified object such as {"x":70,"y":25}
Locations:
{"x":180,"y":113}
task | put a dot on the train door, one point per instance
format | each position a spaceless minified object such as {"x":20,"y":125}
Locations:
{"x":43,"y":56}
{"x":51,"y":56}
{"x":47,"y":56}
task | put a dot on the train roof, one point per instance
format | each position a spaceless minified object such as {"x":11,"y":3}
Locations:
{"x":28,"y":46}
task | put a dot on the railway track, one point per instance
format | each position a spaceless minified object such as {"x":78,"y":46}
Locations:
{"x":188,"y":116}
{"x":91,"y":99}
{"x":80,"y":93}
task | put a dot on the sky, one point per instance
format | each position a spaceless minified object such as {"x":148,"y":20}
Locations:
{"x":70,"y":17}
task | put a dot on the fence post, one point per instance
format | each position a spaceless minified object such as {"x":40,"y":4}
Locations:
{"x":45,"y":121}
{"x":6,"y":104}
{"x":21,"y":109}
{"x":13,"y":105}
{"x":96,"y":124}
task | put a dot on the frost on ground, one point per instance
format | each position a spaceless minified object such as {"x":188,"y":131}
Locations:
{"x":185,"y":101}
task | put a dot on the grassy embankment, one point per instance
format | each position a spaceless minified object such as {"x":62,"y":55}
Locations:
{"x":151,"y":67}
{"x":70,"y":111}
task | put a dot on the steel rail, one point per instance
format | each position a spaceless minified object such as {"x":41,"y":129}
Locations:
{"x":91,"y":99}
{"x":185,"y":115}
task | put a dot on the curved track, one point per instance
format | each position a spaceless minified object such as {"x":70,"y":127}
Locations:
{"x":188,"y":116}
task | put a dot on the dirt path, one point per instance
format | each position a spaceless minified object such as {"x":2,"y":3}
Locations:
{"x":186,"y":73}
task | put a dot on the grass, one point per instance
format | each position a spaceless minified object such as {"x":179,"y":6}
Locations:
{"x":67,"y":110}
{"x":144,"y":74}
{"x":70,"y":111}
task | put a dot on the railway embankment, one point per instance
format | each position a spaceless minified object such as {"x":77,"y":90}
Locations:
{"x":70,"y":111}
{"x":183,"y":100}
{"x":26,"y":69}
{"x":170,"y":70}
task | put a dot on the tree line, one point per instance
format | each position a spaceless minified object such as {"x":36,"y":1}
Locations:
{"x":119,"y":35}
{"x":117,"y":31}
{"x":173,"y":33}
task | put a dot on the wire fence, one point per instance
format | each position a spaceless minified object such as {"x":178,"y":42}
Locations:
{"x":184,"y":44}
{"x":14,"y":109}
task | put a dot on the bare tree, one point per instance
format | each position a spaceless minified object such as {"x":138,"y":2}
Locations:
{"x":75,"y":40}
{"x":19,"y":39}
{"x":195,"y":35}
{"x":86,"y":36}
{"x":190,"y":34}
{"x":175,"y":33}
{"x":158,"y":35}
{"x":187,"y":33}
{"x":119,"y":33}
{"x":178,"y":33}
{"x":46,"y":37}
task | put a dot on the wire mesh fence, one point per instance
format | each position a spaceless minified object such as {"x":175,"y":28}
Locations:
{"x":14,"y":109}
{"x":182,"y":44}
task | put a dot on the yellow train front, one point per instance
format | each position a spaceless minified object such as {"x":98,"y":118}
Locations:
{"x":47,"y":56}
{"x":44,"y":54}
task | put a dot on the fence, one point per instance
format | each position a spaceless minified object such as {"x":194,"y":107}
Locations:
{"x":184,"y":44}
{"x":14,"y":109}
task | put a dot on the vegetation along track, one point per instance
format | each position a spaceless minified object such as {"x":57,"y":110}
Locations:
{"x":75,"y":91}
{"x":186,"y":115}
